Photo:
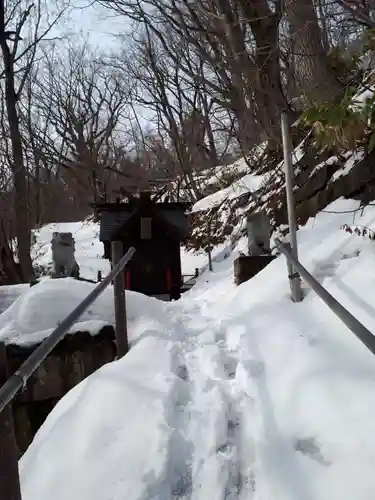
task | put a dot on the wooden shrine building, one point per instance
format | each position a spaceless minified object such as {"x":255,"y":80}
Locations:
{"x":156,"y":230}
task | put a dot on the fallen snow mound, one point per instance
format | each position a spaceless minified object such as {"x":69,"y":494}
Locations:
{"x":41,"y":308}
{"x":231,"y":393}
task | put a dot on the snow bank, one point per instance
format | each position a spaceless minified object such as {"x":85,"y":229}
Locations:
{"x":247,"y":183}
{"x":40,"y":309}
{"x":232,"y":392}
{"x":127,"y":431}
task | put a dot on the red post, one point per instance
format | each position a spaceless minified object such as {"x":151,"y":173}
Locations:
{"x":127,"y":279}
{"x":169,"y":280}
{"x":9,"y":478}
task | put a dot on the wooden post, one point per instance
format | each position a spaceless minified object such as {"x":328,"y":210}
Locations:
{"x":122,"y":344}
{"x":9,"y":478}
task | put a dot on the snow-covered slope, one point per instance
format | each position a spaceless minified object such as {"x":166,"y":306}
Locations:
{"x":229,"y":393}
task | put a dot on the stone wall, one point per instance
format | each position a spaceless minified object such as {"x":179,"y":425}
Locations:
{"x":316,"y":185}
{"x":72,"y":360}
{"x":358,"y":183}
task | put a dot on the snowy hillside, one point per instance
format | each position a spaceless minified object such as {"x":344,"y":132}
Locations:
{"x":229,"y":393}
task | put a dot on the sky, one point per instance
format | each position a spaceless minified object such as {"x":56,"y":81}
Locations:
{"x":96,"y":23}
{"x":101,"y":28}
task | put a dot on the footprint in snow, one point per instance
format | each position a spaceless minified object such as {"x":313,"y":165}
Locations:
{"x":230,"y":366}
{"x":249,"y":482}
{"x":351,"y":255}
{"x":182,"y":372}
{"x":182,"y":485}
{"x":311,"y":449}
{"x":233,"y":424}
{"x":325,"y":270}
{"x":254,"y":368}
{"x":220,"y":337}
{"x":312,"y":340}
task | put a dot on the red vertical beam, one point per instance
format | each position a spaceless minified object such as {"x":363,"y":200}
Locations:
{"x":127,"y":280}
{"x":169,"y":280}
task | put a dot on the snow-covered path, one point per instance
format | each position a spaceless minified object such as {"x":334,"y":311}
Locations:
{"x":209,"y":452}
{"x":225,"y":439}
{"x":224,"y":435}
{"x":260,"y":415}
{"x":231,"y":393}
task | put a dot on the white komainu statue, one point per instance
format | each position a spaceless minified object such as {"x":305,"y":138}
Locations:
{"x":64,"y":263}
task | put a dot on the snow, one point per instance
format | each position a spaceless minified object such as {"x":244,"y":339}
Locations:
{"x":89,"y":249}
{"x":229,"y":393}
{"x":41,"y":308}
{"x":9,"y":294}
{"x":364,"y":93}
{"x":249,"y":182}
{"x":298,"y":153}
{"x":363,"y":96}
{"x":332,"y":160}
{"x":367,"y":62}
{"x":213,"y":176}
{"x":353,"y":157}
{"x":191,"y":260}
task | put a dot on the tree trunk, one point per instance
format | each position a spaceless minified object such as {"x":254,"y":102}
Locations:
{"x":316,"y":80}
{"x":22,"y":222}
{"x":269,"y":94}
{"x":10,"y":272}
{"x":38,"y":203}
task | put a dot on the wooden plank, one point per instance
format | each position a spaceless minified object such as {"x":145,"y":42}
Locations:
{"x":122,"y":344}
{"x":9,"y":478}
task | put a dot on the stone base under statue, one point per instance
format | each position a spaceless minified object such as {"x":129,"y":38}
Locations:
{"x":246,"y":267}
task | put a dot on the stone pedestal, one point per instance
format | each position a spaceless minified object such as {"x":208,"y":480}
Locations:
{"x":72,"y":360}
{"x":246,"y":267}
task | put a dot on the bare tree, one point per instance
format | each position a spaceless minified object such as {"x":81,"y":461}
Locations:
{"x":315,"y":79}
{"x":21,"y":31}
{"x":221,"y":35}
{"x":177,"y":100}
{"x":361,"y":11}
{"x":84,"y":103}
